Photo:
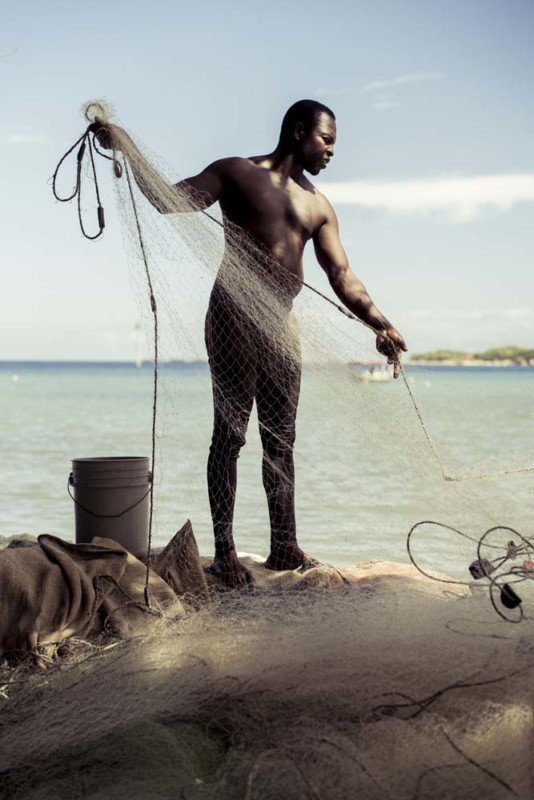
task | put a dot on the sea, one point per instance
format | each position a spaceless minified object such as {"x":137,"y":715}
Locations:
{"x":355,"y":500}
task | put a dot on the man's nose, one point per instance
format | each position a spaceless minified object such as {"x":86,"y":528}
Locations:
{"x":330,"y":150}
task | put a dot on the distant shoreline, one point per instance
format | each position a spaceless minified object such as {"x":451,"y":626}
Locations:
{"x":469,"y":364}
{"x":85,"y":363}
{"x":415,"y":364}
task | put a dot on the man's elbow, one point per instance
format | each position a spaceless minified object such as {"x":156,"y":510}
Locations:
{"x":337,"y":275}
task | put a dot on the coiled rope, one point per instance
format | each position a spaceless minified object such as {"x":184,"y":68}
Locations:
{"x":499,"y":576}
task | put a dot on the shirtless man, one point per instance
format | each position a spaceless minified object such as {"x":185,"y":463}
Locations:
{"x":270,"y":198}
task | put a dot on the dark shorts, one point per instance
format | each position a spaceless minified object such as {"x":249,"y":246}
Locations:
{"x":251,"y":360}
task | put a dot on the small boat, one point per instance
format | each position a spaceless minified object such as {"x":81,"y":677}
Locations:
{"x":372,"y":373}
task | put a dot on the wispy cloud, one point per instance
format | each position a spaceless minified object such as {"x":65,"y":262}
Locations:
{"x":382,"y":101}
{"x":412,"y":77}
{"x":25,"y":138}
{"x":462,"y":198}
{"x":384,"y":104}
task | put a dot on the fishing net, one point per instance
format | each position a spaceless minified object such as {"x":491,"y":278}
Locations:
{"x":218,"y":294}
{"x":375,"y":693}
{"x":393,"y":689}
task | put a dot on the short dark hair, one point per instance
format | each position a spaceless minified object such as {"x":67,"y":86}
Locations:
{"x":304,"y":111}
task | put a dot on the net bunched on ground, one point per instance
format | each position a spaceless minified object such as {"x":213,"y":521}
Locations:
{"x":371,"y":693}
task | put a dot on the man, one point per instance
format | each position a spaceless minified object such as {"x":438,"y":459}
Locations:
{"x":269,"y":199}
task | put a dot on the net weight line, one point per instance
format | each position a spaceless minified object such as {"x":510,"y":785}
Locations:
{"x":154,"y":309}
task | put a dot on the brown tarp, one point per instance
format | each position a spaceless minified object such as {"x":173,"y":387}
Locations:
{"x":53,"y":590}
{"x":123,"y":610}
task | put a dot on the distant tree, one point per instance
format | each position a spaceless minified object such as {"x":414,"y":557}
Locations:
{"x":508,"y":353}
{"x":441,"y":355}
{"x":517,"y":355}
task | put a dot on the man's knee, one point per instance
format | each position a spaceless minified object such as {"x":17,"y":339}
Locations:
{"x":277,"y":444}
{"x":227,"y":441}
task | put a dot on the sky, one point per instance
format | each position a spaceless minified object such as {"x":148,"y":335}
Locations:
{"x":432,"y":179}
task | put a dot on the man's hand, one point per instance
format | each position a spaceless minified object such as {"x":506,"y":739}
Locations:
{"x":390,"y":344}
{"x":106,"y":134}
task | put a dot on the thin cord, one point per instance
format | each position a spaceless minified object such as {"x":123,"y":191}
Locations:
{"x":153,"y":306}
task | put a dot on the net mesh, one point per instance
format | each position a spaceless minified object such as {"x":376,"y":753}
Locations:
{"x":262,"y":330}
{"x":373,"y":693}
{"x":396,"y":689}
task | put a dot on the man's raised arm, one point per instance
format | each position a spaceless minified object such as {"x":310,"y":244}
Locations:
{"x":351,"y":291}
{"x":201,"y":190}
{"x":204,"y":189}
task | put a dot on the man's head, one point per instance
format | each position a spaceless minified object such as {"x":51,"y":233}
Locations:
{"x":309,"y":131}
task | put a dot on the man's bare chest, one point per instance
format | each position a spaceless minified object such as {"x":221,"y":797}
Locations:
{"x":263,"y":199}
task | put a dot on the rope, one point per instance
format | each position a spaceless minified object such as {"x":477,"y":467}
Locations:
{"x":88,"y":141}
{"x":447,"y":476}
{"x":499,"y":580}
{"x":154,"y":309}
{"x":85,"y":142}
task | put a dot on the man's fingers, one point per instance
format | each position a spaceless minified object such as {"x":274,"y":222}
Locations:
{"x":391,"y":345}
{"x":104,"y":133}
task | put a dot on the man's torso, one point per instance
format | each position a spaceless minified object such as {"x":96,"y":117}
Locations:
{"x":280,"y":214}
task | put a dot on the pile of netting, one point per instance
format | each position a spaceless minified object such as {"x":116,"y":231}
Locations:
{"x":370,"y":693}
{"x":390,"y":690}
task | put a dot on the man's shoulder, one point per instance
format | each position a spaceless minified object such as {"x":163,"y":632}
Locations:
{"x":227,"y":166}
{"x":326,"y":205}
{"x":320,"y":199}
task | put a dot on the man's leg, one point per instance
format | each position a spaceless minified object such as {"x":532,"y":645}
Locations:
{"x":277,"y":400}
{"x":232,"y":361}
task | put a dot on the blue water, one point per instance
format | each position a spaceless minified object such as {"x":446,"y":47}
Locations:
{"x":362,"y":479}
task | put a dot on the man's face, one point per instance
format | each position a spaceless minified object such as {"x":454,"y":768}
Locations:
{"x":317,"y":145}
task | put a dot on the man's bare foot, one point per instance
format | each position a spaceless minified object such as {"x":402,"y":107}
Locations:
{"x":287,"y":557}
{"x":231,"y":571}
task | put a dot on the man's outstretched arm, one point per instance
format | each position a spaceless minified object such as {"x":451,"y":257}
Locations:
{"x":351,"y":291}
{"x":201,"y":191}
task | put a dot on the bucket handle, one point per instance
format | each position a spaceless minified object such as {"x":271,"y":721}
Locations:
{"x":70,"y":483}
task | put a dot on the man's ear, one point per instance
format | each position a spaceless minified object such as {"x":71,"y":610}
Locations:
{"x":299,"y":132}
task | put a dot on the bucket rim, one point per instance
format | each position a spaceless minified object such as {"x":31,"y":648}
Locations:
{"x":109,"y":459}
